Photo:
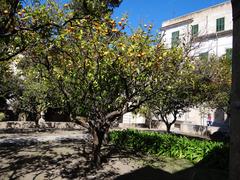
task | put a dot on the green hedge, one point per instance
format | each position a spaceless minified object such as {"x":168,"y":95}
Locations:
{"x":170,"y":145}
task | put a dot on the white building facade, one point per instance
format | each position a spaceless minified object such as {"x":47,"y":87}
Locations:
{"x":210,"y":30}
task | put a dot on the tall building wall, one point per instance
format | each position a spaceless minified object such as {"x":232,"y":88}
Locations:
{"x":208,"y":39}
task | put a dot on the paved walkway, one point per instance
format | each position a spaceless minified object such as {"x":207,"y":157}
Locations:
{"x":54,"y":135}
{"x":34,"y":137}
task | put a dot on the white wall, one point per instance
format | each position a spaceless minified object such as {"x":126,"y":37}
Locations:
{"x":197,"y":116}
{"x":215,"y":46}
{"x":131,"y":118}
{"x":206,"y":20}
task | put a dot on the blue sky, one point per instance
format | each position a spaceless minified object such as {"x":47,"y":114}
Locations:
{"x":157,"y":11}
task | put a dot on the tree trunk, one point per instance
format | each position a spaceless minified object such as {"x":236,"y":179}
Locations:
{"x":234,"y":165}
{"x":150,"y":124}
{"x":166,"y":122}
{"x":168,"y":126}
{"x":35,"y":116}
{"x":98,"y":136}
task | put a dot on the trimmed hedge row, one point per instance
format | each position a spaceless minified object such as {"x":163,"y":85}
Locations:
{"x":170,"y":145}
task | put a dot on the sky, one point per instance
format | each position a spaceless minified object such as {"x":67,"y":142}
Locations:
{"x":157,"y":11}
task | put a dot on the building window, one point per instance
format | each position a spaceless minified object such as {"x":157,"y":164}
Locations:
{"x":220,"y":24}
{"x":175,"y":38}
{"x":203,"y":55}
{"x":195,"y":30}
{"x":229,"y":53}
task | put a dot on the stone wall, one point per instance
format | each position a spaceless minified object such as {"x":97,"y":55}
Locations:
{"x":193,"y":129}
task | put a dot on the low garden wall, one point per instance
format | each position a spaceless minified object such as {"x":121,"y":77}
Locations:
{"x":184,"y":128}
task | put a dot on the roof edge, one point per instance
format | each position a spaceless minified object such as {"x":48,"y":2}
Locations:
{"x":197,"y":11}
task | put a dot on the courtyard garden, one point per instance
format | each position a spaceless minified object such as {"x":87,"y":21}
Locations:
{"x":74,"y":63}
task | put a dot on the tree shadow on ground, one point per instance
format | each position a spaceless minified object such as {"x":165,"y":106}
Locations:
{"x":68,"y":160}
{"x":71,"y":160}
{"x":144,"y":173}
{"x":150,"y":173}
{"x":213,"y":167}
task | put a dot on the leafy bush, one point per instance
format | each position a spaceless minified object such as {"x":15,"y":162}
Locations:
{"x":168,"y":145}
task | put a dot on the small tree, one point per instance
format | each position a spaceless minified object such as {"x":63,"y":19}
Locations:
{"x":215,"y":73}
{"x":146,"y":112}
{"x":177,"y":95}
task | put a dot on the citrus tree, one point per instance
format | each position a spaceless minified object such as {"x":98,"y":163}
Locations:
{"x":191,"y":83}
{"x":9,"y":40}
{"x":20,"y":19}
{"x":90,"y":68}
{"x":215,"y":74}
{"x":180,"y":88}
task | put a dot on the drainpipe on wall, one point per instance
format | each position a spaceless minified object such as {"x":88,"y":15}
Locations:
{"x":216,"y":44}
{"x":206,"y":24}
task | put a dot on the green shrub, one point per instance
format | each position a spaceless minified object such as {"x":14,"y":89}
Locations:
{"x":168,"y":145}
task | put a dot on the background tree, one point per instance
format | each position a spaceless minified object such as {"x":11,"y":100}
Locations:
{"x":178,"y":91}
{"x":146,"y":112}
{"x":94,"y":8}
{"x":192,"y":83}
{"x":216,"y":73}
